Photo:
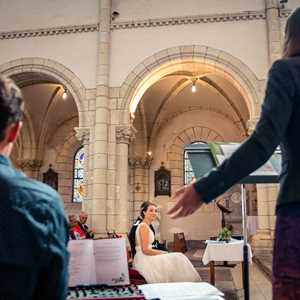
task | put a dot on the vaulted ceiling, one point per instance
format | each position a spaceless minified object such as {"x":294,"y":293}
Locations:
{"x":173,"y":95}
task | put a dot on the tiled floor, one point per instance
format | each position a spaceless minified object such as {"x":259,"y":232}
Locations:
{"x":229,"y":280}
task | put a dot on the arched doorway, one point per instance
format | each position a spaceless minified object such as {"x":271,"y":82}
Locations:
{"x":179,"y":98}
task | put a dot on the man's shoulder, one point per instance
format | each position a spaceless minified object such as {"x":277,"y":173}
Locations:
{"x":18,"y":186}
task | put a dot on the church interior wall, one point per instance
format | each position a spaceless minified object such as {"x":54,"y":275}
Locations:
{"x":32,"y":14}
{"x":206,"y":222}
{"x":77,"y":52}
{"x":238,"y":38}
{"x":132,"y":9}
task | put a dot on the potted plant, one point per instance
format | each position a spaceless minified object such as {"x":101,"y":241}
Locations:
{"x":225,"y":235}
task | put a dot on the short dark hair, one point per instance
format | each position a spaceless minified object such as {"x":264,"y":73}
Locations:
{"x":11,"y":101}
{"x":291,"y":46}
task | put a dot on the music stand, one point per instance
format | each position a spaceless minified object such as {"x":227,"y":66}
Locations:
{"x":268,"y":173}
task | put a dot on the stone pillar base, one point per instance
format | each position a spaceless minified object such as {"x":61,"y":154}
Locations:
{"x":262,"y":242}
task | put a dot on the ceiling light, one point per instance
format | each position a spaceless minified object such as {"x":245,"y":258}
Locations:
{"x":149,"y":153}
{"x":194,"y":89}
{"x":64,"y":95}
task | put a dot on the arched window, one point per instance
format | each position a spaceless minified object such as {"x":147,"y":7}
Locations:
{"x":78,"y":176}
{"x":198,"y":160}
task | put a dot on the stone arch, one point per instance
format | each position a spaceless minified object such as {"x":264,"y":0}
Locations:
{"x":47,"y":69}
{"x":174,"y":152}
{"x":178,"y":59}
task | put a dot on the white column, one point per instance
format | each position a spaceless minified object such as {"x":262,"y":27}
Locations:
{"x":98,"y":207}
{"x":273,"y":30}
{"x":124,"y":135}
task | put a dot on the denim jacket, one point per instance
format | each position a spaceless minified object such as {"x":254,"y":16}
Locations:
{"x":33,"y":238}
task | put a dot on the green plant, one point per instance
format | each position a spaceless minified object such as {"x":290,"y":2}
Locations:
{"x":224,"y":235}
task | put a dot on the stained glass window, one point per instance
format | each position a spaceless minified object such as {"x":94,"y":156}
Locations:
{"x":78,"y":176}
{"x":197,"y":161}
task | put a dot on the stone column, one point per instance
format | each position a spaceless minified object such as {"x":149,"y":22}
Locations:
{"x":140,"y":167}
{"x":124,"y":135}
{"x":83,"y":136}
{"x":98,"y":205}
{"x":266,"y":195}
{"x":273,"y":30}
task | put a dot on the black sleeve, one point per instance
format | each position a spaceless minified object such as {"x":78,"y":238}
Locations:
{"x":257,"y":149}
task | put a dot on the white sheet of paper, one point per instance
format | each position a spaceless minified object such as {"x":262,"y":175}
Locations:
{"x":82,"y":263}
{"x":111,"y":261}
{"x":181,"y":291}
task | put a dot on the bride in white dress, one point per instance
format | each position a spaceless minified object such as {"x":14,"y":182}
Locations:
{"x":156,"y":265}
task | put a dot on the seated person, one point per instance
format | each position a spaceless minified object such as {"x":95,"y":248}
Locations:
{"x":76,"y":233}
{"x":83,"y":216}
{"x":157,"y":265}
{"x":131,"y":235}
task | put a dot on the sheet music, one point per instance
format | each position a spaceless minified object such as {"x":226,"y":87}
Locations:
{"x":111,"y":261}
{"x":82,"y":263}
{"x":98,"y":262}
{"x":181,"y":291}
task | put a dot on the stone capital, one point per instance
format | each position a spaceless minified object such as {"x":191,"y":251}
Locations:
{"x":82,"y":134}
{"x":29,"y":164}
{"x":125,"y":134}
{"x":140,"y":162}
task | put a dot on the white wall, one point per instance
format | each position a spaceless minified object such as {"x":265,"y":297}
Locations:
{"x":144,"y":9}
{"x":246,"y":40}
{"x":33,"y":14}
{"x":206,"y":222}
{"x":76,"y":52}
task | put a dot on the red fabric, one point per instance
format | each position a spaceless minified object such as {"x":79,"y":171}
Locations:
{"x":77,"y":231}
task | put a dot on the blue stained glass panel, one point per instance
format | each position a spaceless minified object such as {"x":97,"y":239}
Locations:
{"x":78,"y":176}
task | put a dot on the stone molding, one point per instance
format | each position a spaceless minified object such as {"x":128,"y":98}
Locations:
{"x":29,"y":33}
{"x":125,"y":134}
{"x":140,"y":162}
{"x":29,"y":164}
{"x":211,"y":18}
{"x":82,"y":134}
{"x":71,"y":29}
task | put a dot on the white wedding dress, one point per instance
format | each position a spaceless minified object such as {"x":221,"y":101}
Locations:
{"x":169,"y":267}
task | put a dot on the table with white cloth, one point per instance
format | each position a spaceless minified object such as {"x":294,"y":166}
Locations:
{"x":223,"y":251}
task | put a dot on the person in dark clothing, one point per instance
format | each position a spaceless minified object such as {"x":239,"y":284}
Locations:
{"x":279,"y":123}
{"x":83,"y":216}
{"x":33,"y":228}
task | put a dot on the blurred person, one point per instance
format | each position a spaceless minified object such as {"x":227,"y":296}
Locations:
{"x":75,"y":231}
{"x":33,"y":228}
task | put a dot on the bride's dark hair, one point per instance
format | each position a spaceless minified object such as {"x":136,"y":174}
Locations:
{"x":144,"y":208}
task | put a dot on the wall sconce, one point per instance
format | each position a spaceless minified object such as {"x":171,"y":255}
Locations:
{"x":138,"y":187}
{"x":149,"y":153}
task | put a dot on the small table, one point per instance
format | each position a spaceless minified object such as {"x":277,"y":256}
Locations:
{"x":222,"y":251}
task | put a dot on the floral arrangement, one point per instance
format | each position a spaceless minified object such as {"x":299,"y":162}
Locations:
{"x":224,"y":235}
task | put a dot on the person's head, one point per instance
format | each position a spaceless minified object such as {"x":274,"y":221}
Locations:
{"x":291,"y":46}
{"x":83,"y":216}
{"x":148,"y":211}
{"x":72,"y":221}
{"x":11,"y":112}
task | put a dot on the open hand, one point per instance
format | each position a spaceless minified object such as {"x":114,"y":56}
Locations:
{"x":187,"y":202}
